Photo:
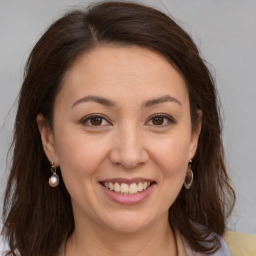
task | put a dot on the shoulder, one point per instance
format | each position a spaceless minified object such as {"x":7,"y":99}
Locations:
{"x":240,"y":244}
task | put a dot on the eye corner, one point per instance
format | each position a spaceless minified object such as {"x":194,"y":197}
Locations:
{"x":97,"y":123}
{"x":164,"y":120}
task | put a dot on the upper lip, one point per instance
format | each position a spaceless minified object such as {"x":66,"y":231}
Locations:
{"x":127,"y":181}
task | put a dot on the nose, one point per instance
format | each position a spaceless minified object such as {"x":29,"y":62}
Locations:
{"x":128,"y":148}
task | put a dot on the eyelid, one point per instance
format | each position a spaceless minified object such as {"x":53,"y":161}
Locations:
{"x":170,"y":119}
{"x":89,"y":116}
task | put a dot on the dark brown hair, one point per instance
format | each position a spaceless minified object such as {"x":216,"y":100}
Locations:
{"x":36,"y":217}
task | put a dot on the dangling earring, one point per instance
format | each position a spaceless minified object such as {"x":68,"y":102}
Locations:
{"x":54,"y":179}
{"x":189,"y":177}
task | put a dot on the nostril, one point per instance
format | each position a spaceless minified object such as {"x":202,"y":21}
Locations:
{"x":128,"y":154}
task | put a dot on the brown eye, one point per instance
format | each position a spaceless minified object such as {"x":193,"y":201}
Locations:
{"x":158,"y":120}
{"x":161,"y":120}
{"x":96,"y":120}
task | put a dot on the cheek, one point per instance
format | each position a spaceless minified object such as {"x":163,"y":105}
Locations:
{"x":172,"y":152}
{"x":171,"y":158}
{"x":173,"y":163}
{"x":79,"y":156}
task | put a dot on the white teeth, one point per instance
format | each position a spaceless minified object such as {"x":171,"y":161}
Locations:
{"x":126,"y":189}
{"x":140,"y":187}
{"x":111,"y":186}
{"x":133,"y":189}
{"x":117,"y":187}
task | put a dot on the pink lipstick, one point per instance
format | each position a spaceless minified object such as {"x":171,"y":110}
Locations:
{"x":128,"y":191}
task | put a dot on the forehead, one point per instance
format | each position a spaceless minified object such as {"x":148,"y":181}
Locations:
{"x":118,"y":71}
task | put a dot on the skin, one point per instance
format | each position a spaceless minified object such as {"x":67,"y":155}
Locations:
{"x":126,"y":143}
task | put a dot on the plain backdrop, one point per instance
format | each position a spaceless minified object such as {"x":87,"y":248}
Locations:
{"x":225,"y":32}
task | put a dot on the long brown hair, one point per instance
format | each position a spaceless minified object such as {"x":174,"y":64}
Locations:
{"x":36,"y":217}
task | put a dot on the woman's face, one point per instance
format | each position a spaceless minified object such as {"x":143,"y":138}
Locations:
{"x":122,"y":122}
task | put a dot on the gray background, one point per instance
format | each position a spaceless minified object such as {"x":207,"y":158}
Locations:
{"x":224,"y":30}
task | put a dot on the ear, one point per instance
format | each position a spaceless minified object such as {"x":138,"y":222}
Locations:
{"x":195,"y":135}
{"x":47,"y":138}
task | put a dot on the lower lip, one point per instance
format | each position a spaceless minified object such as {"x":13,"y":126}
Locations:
{"x":128,"y":199}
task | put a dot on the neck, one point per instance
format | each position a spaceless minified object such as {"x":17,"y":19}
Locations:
{"x":91,"y":240}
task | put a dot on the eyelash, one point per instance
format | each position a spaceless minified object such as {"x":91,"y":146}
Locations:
{"x":169,"y":119}
{"x":89,"y":117}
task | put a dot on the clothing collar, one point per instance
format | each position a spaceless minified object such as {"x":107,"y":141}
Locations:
{"x":183,"y":248}
{"x":179,"y":243}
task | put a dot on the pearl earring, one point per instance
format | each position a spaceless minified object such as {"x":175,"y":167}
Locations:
{"x":54,"y":179}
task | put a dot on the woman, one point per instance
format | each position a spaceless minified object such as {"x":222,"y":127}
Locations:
{"x":117,"y":146}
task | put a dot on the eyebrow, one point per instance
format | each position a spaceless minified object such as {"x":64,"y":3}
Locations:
{"x":97,"y":99}
{"x":162,"y":99}
{"x":109,"y":103}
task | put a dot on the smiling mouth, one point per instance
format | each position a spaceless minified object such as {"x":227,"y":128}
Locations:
{"x":127,"y":189}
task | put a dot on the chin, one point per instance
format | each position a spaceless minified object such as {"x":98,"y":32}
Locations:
{"x":128,"y":223}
